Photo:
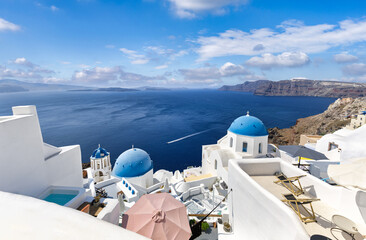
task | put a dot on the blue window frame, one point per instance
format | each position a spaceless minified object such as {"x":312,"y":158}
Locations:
{"x":260,"y":148}
{"x":245,"y":147}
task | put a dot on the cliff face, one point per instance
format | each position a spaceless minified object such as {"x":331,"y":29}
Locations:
{"x":301,"y":87}
{"x":246,"y":86}
{"x":332,"y":119}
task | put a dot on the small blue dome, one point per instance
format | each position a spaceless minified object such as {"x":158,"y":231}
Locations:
{"x":99,"y":153}
{"x":248,"y":126}
{"x":132,"y":163}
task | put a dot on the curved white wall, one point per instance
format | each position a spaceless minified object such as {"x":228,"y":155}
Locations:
{"x":256,"y":213}
{"x":30,"y":218}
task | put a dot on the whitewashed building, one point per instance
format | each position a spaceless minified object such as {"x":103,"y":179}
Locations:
{"x":357,"y":121}
{"x":343,"y":144}
{"x":42,"y":185}
{"x":246,"y":137}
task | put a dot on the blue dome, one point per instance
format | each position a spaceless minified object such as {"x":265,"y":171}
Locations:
{"x":248,"y":126}
{"x":99,"y":153}
{"x":132,"y":163}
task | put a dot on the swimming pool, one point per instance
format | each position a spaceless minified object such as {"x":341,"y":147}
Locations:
{"x":60,"y":199}
{"x":64,"y":196}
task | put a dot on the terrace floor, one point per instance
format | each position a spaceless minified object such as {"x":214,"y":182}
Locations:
{"x":323,"y":212}
{"x":205,"y":203}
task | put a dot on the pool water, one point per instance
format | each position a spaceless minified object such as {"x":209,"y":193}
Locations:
{"x":60,"y":199}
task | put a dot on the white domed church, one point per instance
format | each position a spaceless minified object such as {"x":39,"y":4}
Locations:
{"x":136,"y":166}
{"x":247,"y":137}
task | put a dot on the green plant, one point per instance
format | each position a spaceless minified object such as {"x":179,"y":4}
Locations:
{"x":227,"y":227}
{"x":192,"y":222}
{"x":205,"y":226}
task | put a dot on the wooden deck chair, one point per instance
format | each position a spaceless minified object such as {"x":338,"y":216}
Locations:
{"x":289,"y":183}
{"x":297,"y":205}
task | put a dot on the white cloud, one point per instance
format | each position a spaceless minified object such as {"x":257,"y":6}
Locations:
{"x":54,"y":8}
{"x":8,"y":26}
{"x":211,"y":74}
{"x":164,"y":52}
{"x":345,"y":58}
{"x":84,"y":66}
{"x":27,"y":71}
{"x":65,"y":62}
{"x":290,"y":36}
{"x":155,"y":54}
{"x":102,"y":75}
{"x":18,"y":74}
{"x":134,"y":56}
{"x":24,"y":62}
{"x":355,"y":69}
{"x":110,"y":46}
{"x":229,"y":69}
{"x":191,"y":8}
{"x":161,"y":66}
{"x":32,"y":67}
{"x":286,"y":59}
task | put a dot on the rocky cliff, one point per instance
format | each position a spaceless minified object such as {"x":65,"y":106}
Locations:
{"x":301,"y":87}
{"x":334,"y":118}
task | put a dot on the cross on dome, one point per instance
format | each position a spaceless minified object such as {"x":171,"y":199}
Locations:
{"x":247,"y":113}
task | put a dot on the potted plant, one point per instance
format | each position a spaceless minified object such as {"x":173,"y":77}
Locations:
{"x":205,"y":226}
{"x":227,"y":227}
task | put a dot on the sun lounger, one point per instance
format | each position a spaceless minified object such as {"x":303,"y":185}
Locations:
{"x":289,"y":183}
{"x":297,"y":204}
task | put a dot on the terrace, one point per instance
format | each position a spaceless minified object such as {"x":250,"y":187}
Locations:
{"x":260,"y":201}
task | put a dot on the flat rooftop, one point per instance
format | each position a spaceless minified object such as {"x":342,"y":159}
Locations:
{"x":323,"y":211}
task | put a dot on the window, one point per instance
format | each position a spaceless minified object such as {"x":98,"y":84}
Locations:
{"x":332,"y":146}
{"x":245,"y":147}
{"x":231,"y":142}
{"x":260,"y":148}
{"x":215,"y":164}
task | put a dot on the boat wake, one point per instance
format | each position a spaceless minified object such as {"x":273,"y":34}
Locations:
{"x":188,"y":136}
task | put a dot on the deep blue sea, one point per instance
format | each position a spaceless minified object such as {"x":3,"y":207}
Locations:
{"x":151,"y":119}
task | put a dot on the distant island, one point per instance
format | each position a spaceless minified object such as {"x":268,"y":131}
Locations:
{"x":111,"y":89}
{"x":11,"y":85}
{"x":300,"y":87}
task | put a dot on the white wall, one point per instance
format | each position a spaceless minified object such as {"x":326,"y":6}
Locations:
{"x":251,"y":207}
{"x":64,"y":169}
{"x":26,"y":167}
{"x":253,"y":144}
{"x":110,"y":212}
{"x":207,"y":182}
{"x":191,"y":192}
{"x":51,"y":221}
{"x":208,"y":160}
{"x":22,"y":158}
{"x":143,"y":181}
{"x":351,"y":143}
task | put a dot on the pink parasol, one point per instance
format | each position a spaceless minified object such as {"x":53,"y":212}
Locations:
{"x":158,"y":216}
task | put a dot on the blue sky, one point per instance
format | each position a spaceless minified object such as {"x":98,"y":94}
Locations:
{"x":181,"y":43}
